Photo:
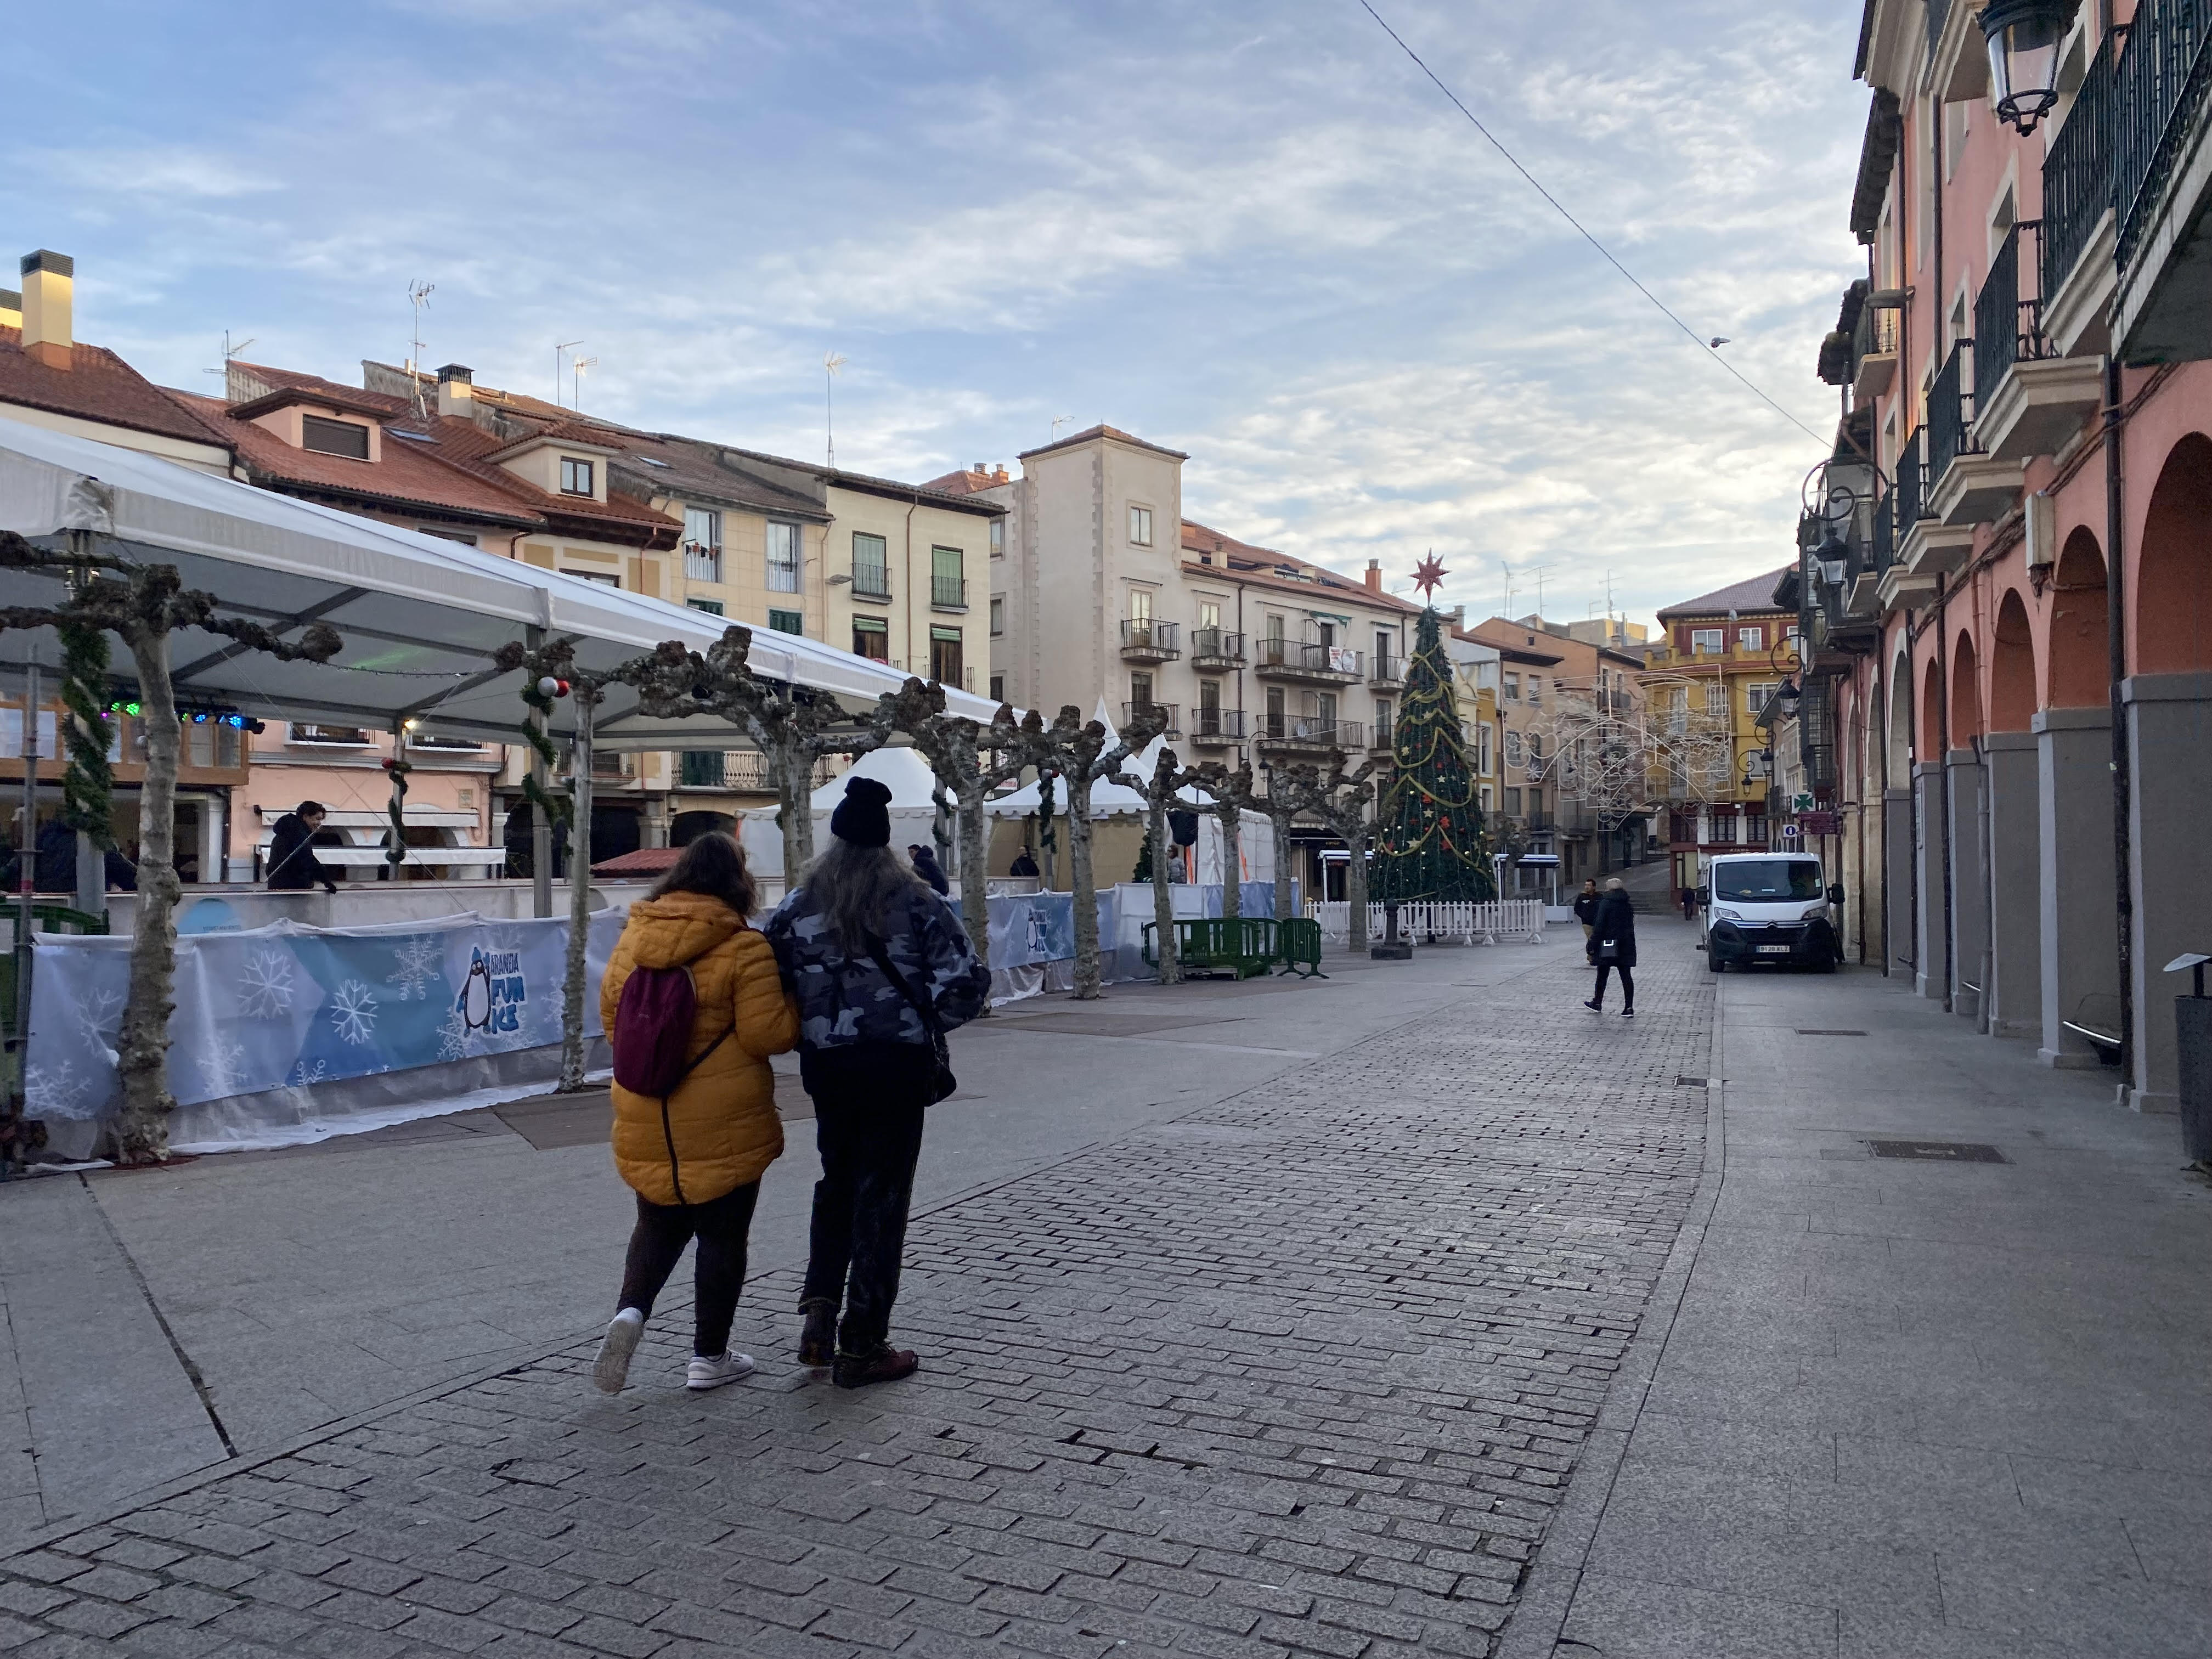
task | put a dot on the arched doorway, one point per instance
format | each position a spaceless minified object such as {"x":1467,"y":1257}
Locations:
{"x":687,"y":827}
{"x":1969,"y":883}
{"x":1965,"y":692}
{"x":1931,"y":745}
{"x":1931,"y":941}
{"x":1900,"y":851}
{"x":2080,"y":648}
{"x":2168,"y":701}
{"x":2015,"y":829}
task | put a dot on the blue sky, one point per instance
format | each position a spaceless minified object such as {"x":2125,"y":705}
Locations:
{"x":1252,"y":233}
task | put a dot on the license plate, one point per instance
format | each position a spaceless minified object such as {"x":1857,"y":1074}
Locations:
{"x":1773,"y":949}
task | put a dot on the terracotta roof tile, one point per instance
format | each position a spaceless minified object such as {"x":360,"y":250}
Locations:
{"x":1103,"y":431}
{"x":98,"y":386}
{"x":1251,"y":563}
{"x":1755,"y":595}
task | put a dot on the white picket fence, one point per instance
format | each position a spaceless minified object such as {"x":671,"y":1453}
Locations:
{"x":1500,"y":922}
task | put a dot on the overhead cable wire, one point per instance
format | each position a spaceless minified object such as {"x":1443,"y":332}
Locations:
{"x":1696,"y":339}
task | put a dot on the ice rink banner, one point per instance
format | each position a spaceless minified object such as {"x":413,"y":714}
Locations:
{"x":290,"y":1006}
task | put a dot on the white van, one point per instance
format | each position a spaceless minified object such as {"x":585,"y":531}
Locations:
{"x":1769,"y":907}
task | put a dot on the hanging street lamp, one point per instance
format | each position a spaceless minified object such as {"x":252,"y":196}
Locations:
{"x":2023,"y":37}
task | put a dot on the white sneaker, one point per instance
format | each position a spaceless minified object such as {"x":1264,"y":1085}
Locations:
{"x":704,"y":1373}
{"x":611,"y":1370}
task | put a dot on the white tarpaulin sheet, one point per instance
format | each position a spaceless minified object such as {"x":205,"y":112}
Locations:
{"x":291,"y":1008}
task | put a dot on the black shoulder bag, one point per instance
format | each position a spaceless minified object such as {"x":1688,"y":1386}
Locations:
{"x":941,"y":1051}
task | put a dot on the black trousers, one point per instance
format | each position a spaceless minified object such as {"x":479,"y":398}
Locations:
{"x":656,"y":1245}
{"x":1627,"y":982}
{"x":868,"y":1104}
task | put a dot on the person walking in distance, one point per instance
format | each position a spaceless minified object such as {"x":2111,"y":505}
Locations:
{"x":293,"y":866}
{"x":1586,"y":903}
{"x":1612,"y":944}
{"x":882,"y":968}
{"x":926,"y":866}
{"x":694,"y":1004}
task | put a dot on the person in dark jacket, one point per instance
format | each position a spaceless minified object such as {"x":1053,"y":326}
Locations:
{"x":926,"y":866}
{"x":1024,"y":865}
{"x":1612,"y":944}
{"x":879,"y":965}
{"x":54,"y":864}
{"x":293,"y":866}
{"x":1586,"y":903}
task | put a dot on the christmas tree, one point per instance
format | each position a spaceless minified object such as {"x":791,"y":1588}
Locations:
{"x":1429,"y":839}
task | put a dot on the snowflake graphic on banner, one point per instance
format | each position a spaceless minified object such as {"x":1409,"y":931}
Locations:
{"x":353,"y":1012}
{"x":453,"y":1036}
{"x":99,"y":1015}
{"x":266,"y":990}
{"x":414,"y":964}
{"x":222,"y":1068}
{"x":55,"y":1088}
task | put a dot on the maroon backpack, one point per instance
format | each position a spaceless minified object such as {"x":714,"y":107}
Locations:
{"x":653,"y":1027}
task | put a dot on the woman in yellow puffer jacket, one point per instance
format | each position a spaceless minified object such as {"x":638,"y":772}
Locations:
{"x":696,"y":1160}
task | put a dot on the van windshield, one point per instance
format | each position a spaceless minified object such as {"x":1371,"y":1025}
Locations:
{"x":1758,"y":880}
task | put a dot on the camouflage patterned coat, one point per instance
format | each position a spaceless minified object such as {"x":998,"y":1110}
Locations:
{"x":845,"y":1000}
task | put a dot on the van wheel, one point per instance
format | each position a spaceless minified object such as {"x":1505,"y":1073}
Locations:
{"x":1713,"y":963}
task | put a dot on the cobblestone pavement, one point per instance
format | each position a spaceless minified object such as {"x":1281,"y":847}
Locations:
{"x":1304,"y":1373}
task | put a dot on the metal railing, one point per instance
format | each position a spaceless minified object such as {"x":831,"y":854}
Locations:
{"x":1158,"y":638}
{"x":1876,"y":335}
{"x":948,"y":592}
{"x":1166,"y":711}
{"x":1385,"y":668}
{"x":1885,"y":533}
{"x":1950,"y":426}
{"x":2008,"y":326}
{"x":1908,"y":492}
{"x":2158,"y":92}
{"x":1212,"y":642}
{"x":701,"y":564}
{"x":872,"y":581}
{"x":1219,"y":725}
{"x":1385,"y":734}
{"x":1311,"y":658}
{"x":2077,"y":174}
{"x":1314,"y":729}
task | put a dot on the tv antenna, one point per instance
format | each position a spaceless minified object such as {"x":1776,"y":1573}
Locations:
{"x":1058,"y":421}
{"x":559,"y":348}
{"x":418,"y":298}
{"x":230,"y":352}
{"x":576,"y":379}
{"x":831,"y":363}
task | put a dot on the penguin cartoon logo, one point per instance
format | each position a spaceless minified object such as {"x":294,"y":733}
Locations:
{"x":476,"y":995}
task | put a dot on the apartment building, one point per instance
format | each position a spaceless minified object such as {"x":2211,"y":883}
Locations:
{"x":2002,"y":585}
{"x":1103,"y":591}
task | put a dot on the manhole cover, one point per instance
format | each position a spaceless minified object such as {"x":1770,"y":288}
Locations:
{"x":1938,"y":1151}
{"x":1802,"y":1031}
{"x":1689,"y":1083}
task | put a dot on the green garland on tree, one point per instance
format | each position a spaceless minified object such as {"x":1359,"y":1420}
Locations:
{"x":1430,"y":842}
{"x":87,"y":782}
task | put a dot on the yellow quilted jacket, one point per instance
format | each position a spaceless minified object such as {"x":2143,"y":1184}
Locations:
{"x":720,"y":1122}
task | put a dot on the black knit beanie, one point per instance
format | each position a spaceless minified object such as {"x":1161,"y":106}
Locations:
{"x":863,"y":817}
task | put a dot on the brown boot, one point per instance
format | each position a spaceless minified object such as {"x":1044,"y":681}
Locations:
{"x":817,"y":1338}
{"x":884,"y":1364}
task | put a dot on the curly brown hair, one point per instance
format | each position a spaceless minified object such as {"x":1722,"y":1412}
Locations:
{"x":714,"y":865}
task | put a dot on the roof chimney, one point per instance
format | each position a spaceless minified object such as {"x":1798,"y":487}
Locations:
{"x":1375,"y":575}
{"x":11,"y":309}
{"x":980,"y":467}
{"x":457,"y":391}
{"x":48,"y":279}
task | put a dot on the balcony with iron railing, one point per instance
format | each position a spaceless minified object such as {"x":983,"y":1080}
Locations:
{"x":1383,"y":669}
{"x":2162,"y":182}
{"x":871,"y":581}
{"x":1211,"y":648}
{"x":1144,"y":640}
{"x":701,"y":564}
{"x":1304,"y":660}
{"x":2029,"y":397}
{"x":2077,"y":176}
{"x":1384,"y":736}
{"x":1147,"y":709}
{"x":2009,"y":322}
{"x":1874,"y":350}
{"x":1216,"y":728}
{"x":1313,"y":732}
{"x":1950,"y":421}
{"x":948,"y":592}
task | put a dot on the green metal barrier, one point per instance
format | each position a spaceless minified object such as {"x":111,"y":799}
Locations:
{"x":1243,"y":947}
{"x":1297,"y":947}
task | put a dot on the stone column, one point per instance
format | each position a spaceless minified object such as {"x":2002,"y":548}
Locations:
{"x":1969,"y":883}
{"x":2015,"y":992}
{"x":1897,"y":854}
{"x":2170,"y":758}
{"x":2078,"y":940}
{"x":1928,"y":942}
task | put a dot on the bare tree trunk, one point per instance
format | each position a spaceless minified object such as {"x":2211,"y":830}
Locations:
{"x":1163,"y":943}
{"x":1281,"y":823}
{"x":541,"y":830}
{"x":794,"y":807}
{"x":1232,"y":863}
{"x":975,"y":866}
{"x":1355,"y":882}
{"x":1087,"y":977}
{"x":580,"y":898}
{"x":143,"y":1048}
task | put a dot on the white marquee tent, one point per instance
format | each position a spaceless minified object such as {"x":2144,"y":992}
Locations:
{"x":913,"y":808}
{"x":420,"y":617}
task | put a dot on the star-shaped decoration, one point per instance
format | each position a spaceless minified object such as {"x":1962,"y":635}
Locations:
{"x":1429,"y":575}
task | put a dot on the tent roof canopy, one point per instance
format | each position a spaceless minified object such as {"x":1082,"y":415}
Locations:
{"x":420,"y":617}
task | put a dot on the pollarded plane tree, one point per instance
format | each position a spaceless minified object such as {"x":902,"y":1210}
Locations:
{"x":1082,"y":752}
{"x":1341,"y":801}
{"x":144,"y":606}
{"x":1229,"y":793}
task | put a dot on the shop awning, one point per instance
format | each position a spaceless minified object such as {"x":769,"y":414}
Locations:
{"x":420,"y":617}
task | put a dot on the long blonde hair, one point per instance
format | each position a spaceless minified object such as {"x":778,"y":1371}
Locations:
{"x":855,"y":888}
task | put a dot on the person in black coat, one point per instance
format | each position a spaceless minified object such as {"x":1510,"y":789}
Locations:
{"x":1586,"y":903}
{"x":1612,"y":944}
{"x":926,"y":866}
{"x":1024,"y":865}
{"x":293,"y":866}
